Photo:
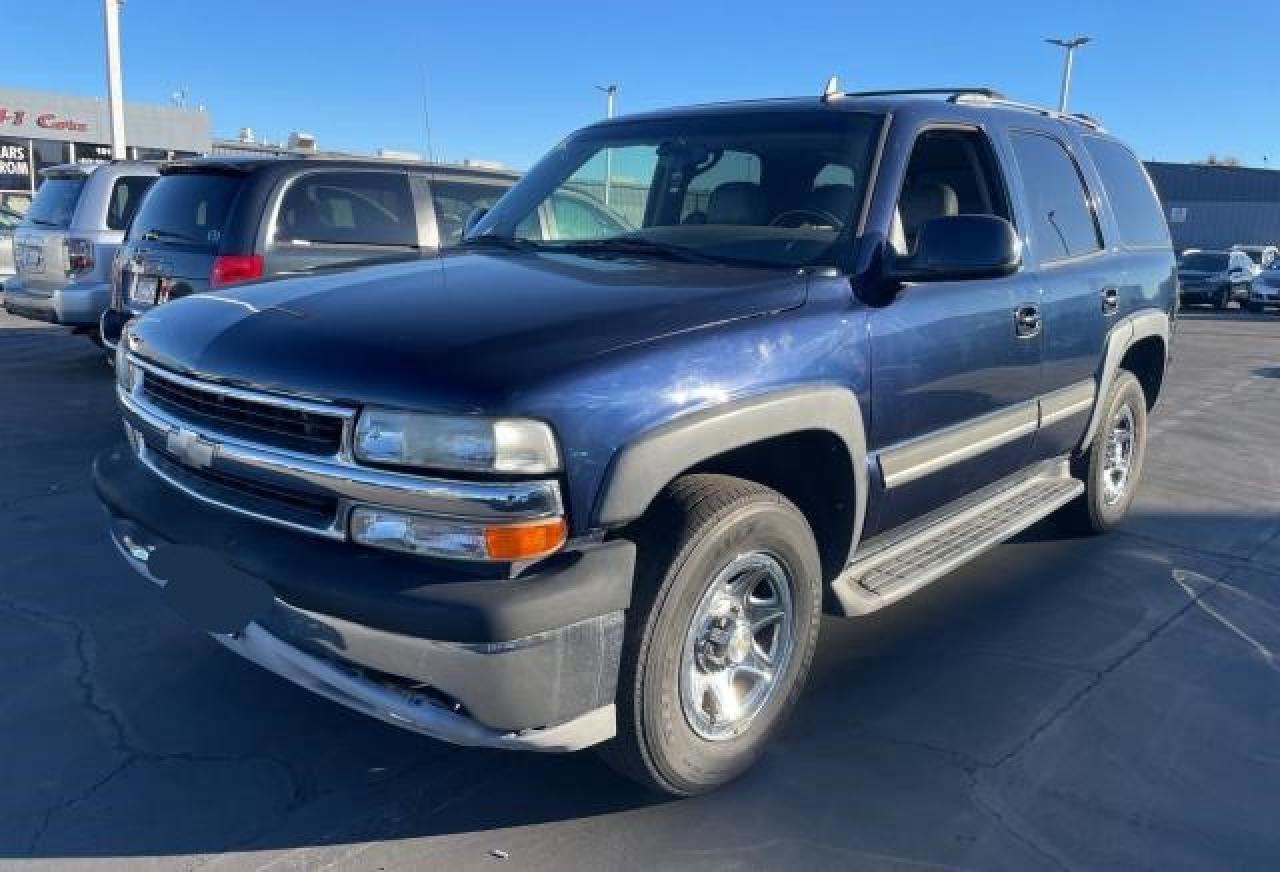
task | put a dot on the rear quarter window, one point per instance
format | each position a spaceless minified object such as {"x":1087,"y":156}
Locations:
{"x":348,"y":208}
{"x":454,"y":201}
{"x":187,"y":208}
{"x":1133,"y":198}
{"x":126,"y":194}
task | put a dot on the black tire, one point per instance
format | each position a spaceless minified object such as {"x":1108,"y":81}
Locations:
{"x":1097,"y":510}
{"x":699,"y":525}
{"x":1223,"y":299}
{"x":1255,"y":308}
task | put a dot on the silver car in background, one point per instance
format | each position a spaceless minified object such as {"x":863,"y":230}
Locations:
{"x":64,"y":247}
{"x":9,"y":221}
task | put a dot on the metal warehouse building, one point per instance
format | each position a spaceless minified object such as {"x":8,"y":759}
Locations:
{"x":1218,"y":206}
{"x":39,"y":129}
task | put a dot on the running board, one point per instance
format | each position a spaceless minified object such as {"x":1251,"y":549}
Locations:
{"x":925,"y":555}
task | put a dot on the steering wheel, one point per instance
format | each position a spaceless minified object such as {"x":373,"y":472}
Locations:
{"x":799,"y":218}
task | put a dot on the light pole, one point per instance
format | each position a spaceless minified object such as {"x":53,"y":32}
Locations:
{"x":115,"y":90}
{"x":610,"y":92}
{"x":1070,"y":45}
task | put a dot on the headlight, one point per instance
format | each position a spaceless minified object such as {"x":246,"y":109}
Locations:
{"x":469,"y":444}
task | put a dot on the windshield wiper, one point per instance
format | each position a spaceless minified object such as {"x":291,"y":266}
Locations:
{"x":156,"y":233}
{"x":632,"y":245}
{"x":44,"y":223}
{"x":493,"y":240}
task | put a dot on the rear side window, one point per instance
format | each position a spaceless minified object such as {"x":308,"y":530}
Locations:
{"x":126,"y":194}
{"x":189,"y":208}
{"x":55,"y":202}
{"x":1133,"y":199}
{"x":348,"y":208}
{"x":454,"y":201}
{"x":1062,"y":219}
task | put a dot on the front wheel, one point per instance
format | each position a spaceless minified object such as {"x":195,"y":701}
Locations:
{"x":1223,"y":299}
{"x":720,"y":635}
{"x":1112,"y":465}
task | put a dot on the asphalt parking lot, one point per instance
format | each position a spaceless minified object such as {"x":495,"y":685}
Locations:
{"x":1060,"y":704}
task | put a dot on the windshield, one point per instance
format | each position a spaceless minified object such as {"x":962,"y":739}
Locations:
{"x":186,"y":207}
{"x":767,"y":189}
{"x":1205,"y":261}
{"x":55,"y":202}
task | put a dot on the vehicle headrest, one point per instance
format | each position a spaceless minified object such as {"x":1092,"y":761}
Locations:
{"x":925,"y":201}
{"x":736,"y":203}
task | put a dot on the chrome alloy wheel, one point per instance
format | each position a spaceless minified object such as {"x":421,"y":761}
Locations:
{"x":1117,"y":465}
{"x":738,"y":646}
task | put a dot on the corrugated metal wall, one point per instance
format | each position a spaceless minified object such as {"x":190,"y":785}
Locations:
{"x":1217,"y":207}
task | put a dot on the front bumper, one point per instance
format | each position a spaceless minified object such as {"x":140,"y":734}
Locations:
{"x":79,"y":304}
{"x":527,"y":662}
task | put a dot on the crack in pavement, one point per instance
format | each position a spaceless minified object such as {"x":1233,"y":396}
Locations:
{"x":121,"y":741}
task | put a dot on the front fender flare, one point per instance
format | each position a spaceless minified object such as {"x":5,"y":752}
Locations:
{"x":648,"y":463}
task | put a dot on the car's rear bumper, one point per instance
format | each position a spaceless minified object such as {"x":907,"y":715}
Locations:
{"x":79,"y":304}
{"x":529,"y":661}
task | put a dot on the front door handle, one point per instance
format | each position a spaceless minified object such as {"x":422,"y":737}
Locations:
{"x":1110,"y":301}
{"x":1026,"y":321}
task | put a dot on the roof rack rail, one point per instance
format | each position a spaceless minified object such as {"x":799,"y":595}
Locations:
{"x":1077,"y":117}
{"x":950,"y":92}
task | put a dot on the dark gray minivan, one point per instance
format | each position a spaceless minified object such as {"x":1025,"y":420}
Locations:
{"x":212,"y":222}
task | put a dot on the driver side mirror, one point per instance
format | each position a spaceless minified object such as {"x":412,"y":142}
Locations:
{"x":473,"y":218}
{"x":957,"y":247}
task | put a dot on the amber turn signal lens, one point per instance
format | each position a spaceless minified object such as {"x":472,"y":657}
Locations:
{"x":525,"y":541}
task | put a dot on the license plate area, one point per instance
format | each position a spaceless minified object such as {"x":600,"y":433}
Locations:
{"x":29,"y":258}
{"x":144,"y":290}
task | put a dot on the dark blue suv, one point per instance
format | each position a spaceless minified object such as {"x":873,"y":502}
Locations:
{"x":594,"y":477}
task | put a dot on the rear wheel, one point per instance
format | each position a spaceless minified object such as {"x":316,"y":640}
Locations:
{"x":720,"y":635}
{"x":1112,"y":465}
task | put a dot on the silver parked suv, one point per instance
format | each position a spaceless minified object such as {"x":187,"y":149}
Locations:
{"x":64,"y":247}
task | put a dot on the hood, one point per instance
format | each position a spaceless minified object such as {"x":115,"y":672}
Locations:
{"x":451,"y":332}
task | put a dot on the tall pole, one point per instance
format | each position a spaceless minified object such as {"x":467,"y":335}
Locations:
{"x":1070,"y":45}
{"x":115,"y":88}
{"x":610,"y":92}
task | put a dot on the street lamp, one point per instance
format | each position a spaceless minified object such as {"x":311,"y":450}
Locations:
{"x":610,"y":92}
{"x":115,"y":90}
{"x":1070,"y":45}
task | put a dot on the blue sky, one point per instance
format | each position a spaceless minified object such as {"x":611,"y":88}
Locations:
{"x":505,"y":81}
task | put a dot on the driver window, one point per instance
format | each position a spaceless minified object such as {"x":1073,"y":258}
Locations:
{"x":951,"y":172}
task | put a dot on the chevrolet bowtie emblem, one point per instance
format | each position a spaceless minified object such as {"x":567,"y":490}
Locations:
{"x":190,"y":448}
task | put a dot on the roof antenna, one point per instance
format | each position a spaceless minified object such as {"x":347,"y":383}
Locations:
{"x":832,"y":88}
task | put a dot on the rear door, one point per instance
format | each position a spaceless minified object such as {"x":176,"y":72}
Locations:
{"x":1080,"y":285}
{"x":955,"y":374}
{"x":175,"y":236}
{"x":328,"y":217}
{"x":39,"y":246}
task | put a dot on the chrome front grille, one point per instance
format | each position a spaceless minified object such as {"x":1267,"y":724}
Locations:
{"x":281,"y":426}
{"x":286,"y":460}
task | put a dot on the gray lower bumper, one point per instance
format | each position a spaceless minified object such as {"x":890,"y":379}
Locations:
{"x":369,"y":658}
{"x":76,"y":305}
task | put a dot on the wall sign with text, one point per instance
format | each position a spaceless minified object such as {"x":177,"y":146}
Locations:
{"x":14,"y":117}
{"x":15,"y":164}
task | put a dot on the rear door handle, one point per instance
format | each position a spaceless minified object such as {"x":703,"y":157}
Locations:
{"x":1026,"y":321}
{"x":1110,"y":301}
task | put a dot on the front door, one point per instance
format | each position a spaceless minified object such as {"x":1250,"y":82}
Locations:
{"x":955,"y":365}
